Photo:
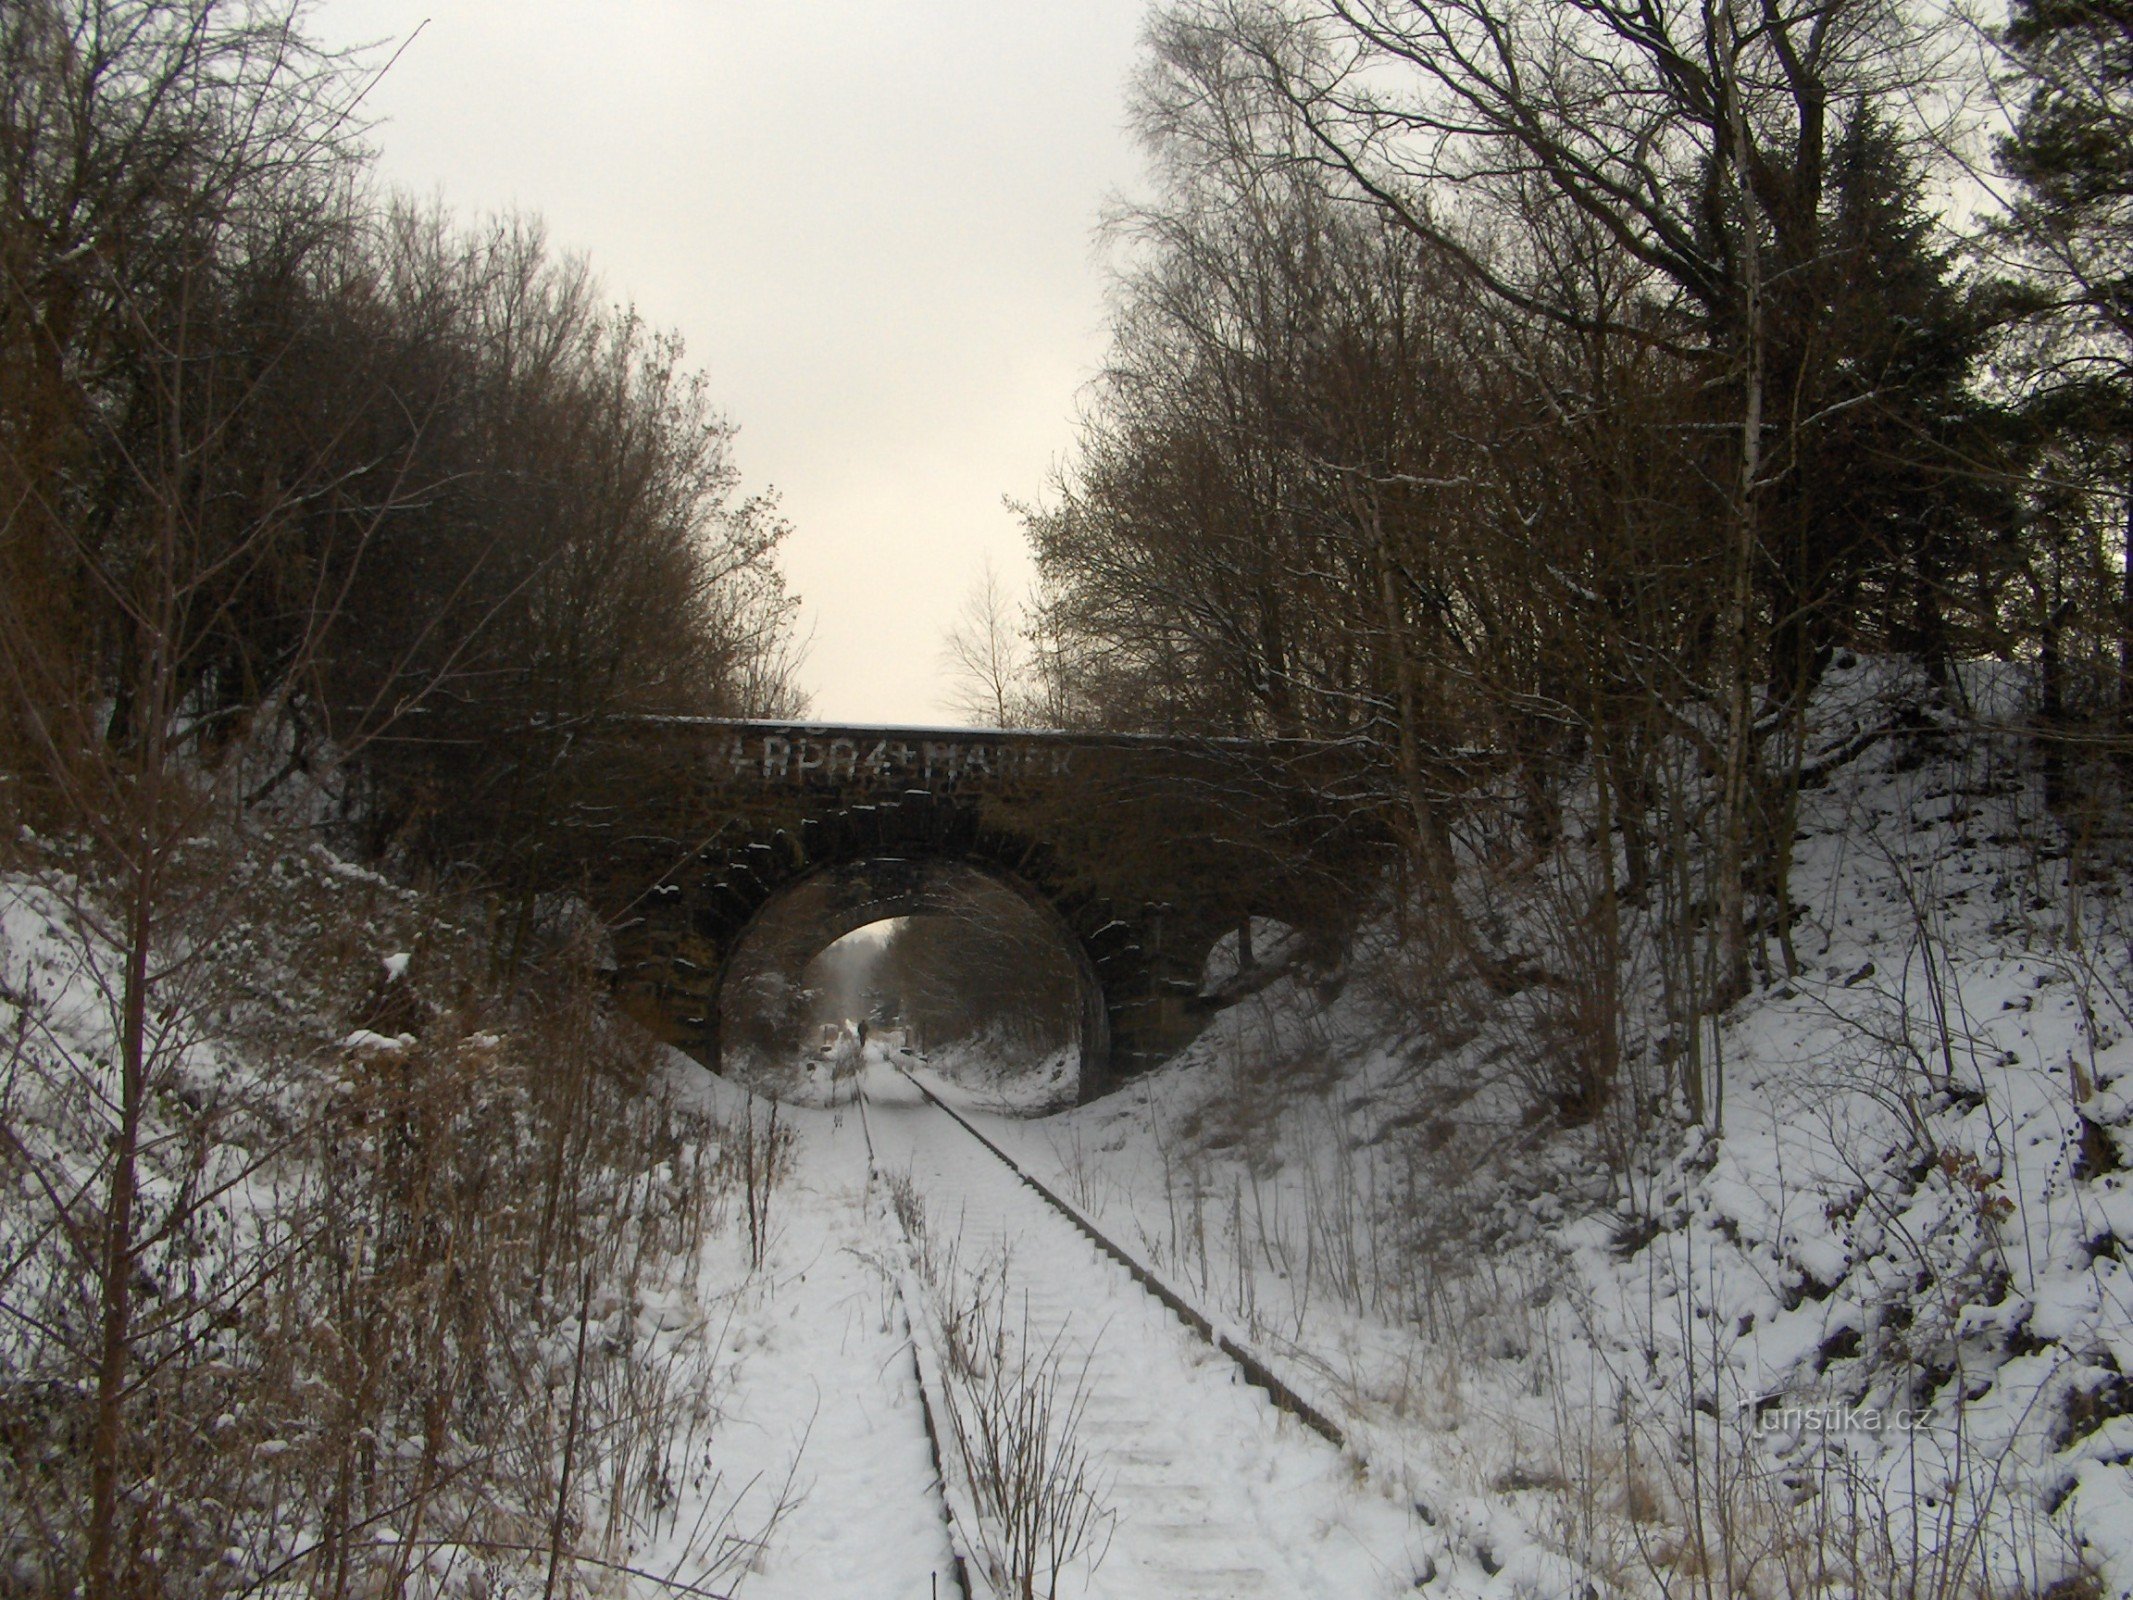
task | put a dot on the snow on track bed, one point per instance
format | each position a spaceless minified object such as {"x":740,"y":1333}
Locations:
{"x":819,"y":1395}
{"x":1217,"y":1493}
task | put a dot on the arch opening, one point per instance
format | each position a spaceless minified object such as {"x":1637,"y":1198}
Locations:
{"x":868,"y":965}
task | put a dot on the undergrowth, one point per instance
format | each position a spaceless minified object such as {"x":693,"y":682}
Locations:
{"x":411,"y":1234}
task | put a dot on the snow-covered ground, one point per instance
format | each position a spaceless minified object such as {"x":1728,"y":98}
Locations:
{"x":1022,"y":1087}
{"x":1868,"y":1325}
{"x":823,"y":1410}
{"x":1874,"y":1317}
{"x":1204,"y":1488}
{"x":1213,"y":1492}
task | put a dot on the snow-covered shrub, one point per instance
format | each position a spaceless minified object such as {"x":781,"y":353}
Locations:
{"x":407,"y":1238}
{"x":1014,"y":1407}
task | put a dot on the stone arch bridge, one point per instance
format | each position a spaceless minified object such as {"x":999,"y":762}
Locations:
{"x":1141,"y":851}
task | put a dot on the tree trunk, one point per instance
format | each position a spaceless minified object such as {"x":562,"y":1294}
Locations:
{"x":142,"y":844}
{"x":1432,"y":850}
{"x":2125,"y":633}
{"x":1731,"y":978}
{"x":115,"y":1268}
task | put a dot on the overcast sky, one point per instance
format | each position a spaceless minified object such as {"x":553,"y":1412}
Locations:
{"x":871,"y":220}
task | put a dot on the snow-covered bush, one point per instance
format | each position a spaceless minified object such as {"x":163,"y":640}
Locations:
{"x":405,"y":1240}
{"x":1014,"y":1407}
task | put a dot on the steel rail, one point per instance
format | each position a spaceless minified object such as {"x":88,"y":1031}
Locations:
{"x":1255,"y":1370}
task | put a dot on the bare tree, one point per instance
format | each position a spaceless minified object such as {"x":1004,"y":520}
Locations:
{"x":269,"y":451}
{"x":1555,"y":382}
{"x":173,"y":160}
{"x":1695,"y":141}
{"x":985,"y":655}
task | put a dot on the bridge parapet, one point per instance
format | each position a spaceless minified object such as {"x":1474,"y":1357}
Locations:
{"x":858,"y":758}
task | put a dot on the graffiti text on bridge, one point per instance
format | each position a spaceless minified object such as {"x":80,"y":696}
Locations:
{"x":798,"y":757}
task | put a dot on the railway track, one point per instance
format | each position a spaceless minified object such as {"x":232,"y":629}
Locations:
{"x":957,"y":1519}
{"x":1223,"y":1482}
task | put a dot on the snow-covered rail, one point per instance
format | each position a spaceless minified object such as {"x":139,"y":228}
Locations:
{"x":1256,"y":1372}
{"x":925,"y":1373}
{"x":1221,"y":1483}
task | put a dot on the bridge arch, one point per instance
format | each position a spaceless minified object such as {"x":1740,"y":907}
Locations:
{"x":890,"y":858}
{"x":808,"y":914}
{"x":1144,"y":849}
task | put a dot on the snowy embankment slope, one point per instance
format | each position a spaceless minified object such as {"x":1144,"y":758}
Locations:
{"x":447,"y":1289}
{"x":1874,"y":1313}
